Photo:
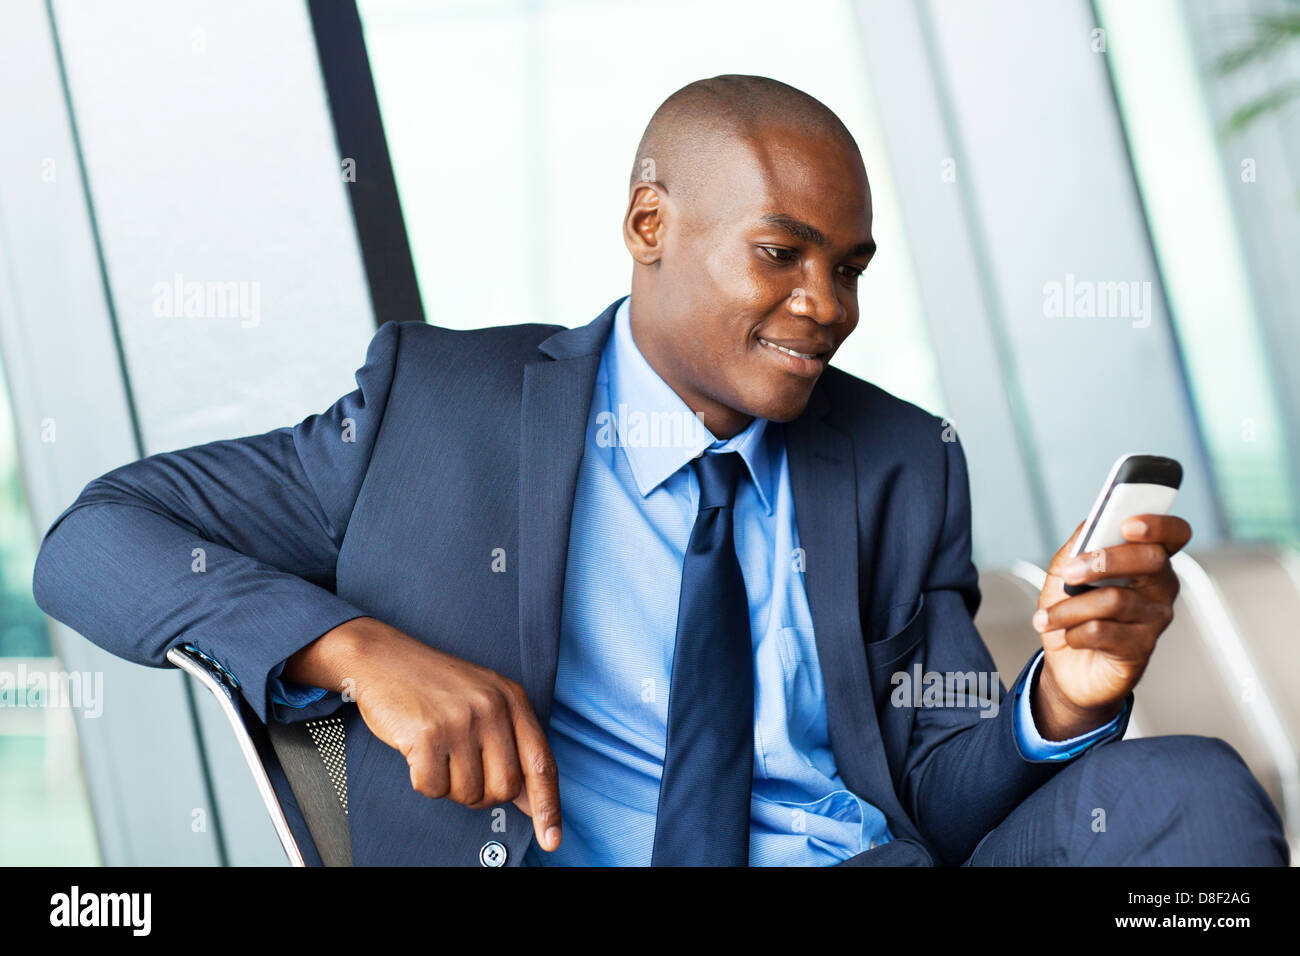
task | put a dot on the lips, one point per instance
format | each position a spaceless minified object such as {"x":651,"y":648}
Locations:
{"x":803,"y":358}
{"x":801,"y":349}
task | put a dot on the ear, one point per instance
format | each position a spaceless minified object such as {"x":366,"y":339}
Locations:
{"x":643,"y":225}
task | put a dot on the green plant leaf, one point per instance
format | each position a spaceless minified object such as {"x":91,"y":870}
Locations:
{"x":1244,"y":116}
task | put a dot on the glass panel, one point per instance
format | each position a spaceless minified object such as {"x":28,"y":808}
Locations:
{"x":513,"y":195}
{"x":1177,"y":161}
{"x":44,"y":812}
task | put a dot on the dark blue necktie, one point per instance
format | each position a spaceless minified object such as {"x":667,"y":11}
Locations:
{"x":703,"y":815}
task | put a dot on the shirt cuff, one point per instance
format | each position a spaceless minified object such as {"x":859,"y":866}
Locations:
{"x":1032,"y":744}
{"x":289,"y":693}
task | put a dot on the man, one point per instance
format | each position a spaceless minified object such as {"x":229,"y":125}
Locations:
{"x":646,"y":581}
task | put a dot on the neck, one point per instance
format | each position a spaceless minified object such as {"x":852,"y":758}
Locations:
{"x":721,"y":421}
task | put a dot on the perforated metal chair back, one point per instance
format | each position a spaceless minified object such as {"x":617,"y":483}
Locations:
{"x":314,"y":758}
{"x":311,"y":753}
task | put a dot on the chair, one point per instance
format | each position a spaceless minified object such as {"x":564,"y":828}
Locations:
{"x":1008,"y":598}
{"x":1246,"y":599}
{"x":1219,"y":670}
{"x":311,"y":754}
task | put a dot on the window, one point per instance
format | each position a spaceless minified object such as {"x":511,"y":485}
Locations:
{"x":513,"y":196}
{"x":1176,"y":156}
{"x":44,"y":813}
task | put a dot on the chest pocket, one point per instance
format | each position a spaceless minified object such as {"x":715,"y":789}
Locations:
{"x":901,"y":630}
{"x":894,"y":634}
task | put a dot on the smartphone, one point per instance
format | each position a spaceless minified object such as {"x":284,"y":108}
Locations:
{"x":1136,"y":485}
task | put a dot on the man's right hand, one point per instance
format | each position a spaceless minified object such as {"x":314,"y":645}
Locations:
{"x":468,"y":734}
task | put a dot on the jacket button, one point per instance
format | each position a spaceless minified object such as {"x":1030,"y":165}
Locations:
{"x":492,"y":854}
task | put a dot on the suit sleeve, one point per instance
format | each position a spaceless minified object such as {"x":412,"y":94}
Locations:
{"x":230,"y":547}
{"x":965,"y":770}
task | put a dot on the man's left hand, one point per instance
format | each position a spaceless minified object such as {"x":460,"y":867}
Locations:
{"x":1096,"y":644}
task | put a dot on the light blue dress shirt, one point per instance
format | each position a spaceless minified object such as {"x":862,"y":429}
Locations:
{"x":634,"y":508}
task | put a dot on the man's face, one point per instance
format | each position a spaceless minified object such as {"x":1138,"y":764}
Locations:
{"x":757,"y":279}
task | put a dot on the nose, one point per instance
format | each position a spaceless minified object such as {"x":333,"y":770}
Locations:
{"x":816,"y":299}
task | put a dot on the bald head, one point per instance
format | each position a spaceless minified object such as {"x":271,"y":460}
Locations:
{"x":686,"y":140}
{"x":748,"y":222}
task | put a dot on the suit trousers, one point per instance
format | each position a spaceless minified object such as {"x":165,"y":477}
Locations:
{"x":1153,"y":801}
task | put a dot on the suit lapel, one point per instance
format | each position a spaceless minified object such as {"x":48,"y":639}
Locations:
{"x":556,"y":402}
{"x":824,"y":481}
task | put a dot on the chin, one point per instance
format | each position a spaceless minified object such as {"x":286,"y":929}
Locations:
{"x":781,"y":407}
{"x":787,"y":414}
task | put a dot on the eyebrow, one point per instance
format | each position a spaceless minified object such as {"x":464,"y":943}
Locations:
{"x":809,"y":233}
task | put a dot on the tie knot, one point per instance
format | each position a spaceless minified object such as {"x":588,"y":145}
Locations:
{"x":718,"y":475}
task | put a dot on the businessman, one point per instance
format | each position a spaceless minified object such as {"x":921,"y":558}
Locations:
{"x":637,"y":592}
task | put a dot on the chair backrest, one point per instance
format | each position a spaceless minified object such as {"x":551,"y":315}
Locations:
{"x":1185,"y":690}
{"x":313,"y":756}
{"x":1225,"y":667}
{"x":311,"y":753}
{"x":1008,"y":599}
{"x":1259,"y":586}
{"x":1248,"y":598}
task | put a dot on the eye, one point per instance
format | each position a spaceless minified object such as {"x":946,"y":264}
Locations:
{"x":779,"y":253}
{"x":852,"y":273}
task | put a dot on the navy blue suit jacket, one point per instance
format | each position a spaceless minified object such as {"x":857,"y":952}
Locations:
{"x":463,"y":442}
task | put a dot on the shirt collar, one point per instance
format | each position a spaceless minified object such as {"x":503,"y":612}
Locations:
{"x":658,"y":432}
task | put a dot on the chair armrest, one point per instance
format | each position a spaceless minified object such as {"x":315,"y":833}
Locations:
{"x":221,"y":686}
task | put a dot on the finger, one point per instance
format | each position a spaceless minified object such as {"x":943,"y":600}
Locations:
{"x":503,"y":779}
{"x":1162,"y":587}
{"x":1170,"y":531}
{"x":430,"y":771}
{"x":467,"y":773}
{"x":1166,"y":587}
{"x":1117,"y":638}
{"x":1121,"y":560}
{"x":1123,"y":605}
{"x":541,"y":778}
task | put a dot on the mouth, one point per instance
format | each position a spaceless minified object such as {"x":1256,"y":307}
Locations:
{"x":805,"y":359}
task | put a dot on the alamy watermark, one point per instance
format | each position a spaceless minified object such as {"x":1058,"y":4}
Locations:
{"x":22,"y":686}
{"x":639,"y":429}
{"x":946,"y":689}
{"x":74,"y":908}
{"x":181,"y":299}
{"x":1086,"y":299}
